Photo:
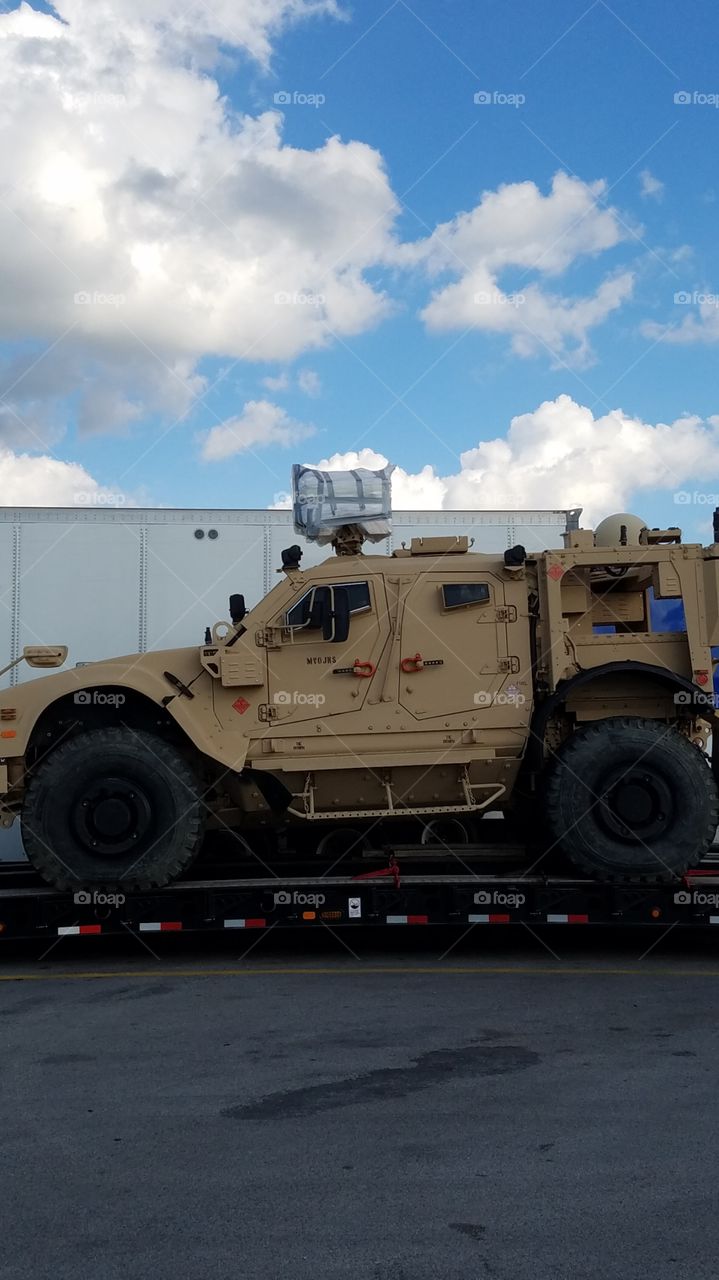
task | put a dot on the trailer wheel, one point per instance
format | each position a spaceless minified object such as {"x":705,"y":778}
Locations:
{"x":631,"y":799}
{"x":112,"y":808}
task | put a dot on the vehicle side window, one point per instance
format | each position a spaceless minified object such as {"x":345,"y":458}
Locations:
{"x":457,"y":594}
{"x":301,"y":613}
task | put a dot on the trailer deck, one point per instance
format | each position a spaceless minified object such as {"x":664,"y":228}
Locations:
{"x":31,"y":910}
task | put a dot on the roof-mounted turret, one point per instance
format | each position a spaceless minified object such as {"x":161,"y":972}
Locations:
{"x":344,"y":508}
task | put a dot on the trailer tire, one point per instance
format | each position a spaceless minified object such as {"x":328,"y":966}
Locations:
{"x":631,"y":799}
{"x":112,"y":808}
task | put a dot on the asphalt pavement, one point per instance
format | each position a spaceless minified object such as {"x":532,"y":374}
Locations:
{"x":507,"y":1111}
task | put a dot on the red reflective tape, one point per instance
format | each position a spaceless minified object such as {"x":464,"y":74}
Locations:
{"x":170,"y":926}
{"x":577,"y":919}
{"x":417,"y":919}
{"x":255,"y":924}
{"x":90,"y":928}
{"x":499,"y":919}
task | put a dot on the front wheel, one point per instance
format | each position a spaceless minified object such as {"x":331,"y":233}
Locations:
{"x":631,"y":799}
{"x":112,"y":808}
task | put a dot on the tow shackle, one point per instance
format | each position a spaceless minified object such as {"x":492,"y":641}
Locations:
{"x":412,"y":664}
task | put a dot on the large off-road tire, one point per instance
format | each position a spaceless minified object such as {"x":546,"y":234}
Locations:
{"x":112,"y":808}
{"x":631,"y":799}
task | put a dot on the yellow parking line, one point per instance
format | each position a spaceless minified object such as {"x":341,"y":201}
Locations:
{"x":297,"y":971}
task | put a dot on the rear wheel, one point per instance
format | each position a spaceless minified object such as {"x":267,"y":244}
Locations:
{"x":631,"y":799}
{"x":112,"y":807}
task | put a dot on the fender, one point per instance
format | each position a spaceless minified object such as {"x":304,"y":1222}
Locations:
{"x":144,"y":675}
{"x":699,"y":698}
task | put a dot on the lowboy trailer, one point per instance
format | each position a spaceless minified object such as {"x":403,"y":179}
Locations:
{"x":32,"y":911}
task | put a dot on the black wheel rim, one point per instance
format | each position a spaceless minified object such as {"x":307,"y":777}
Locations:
{"x":111,"y":816}
{"x":340,"y":842}
{"x":444,"y":831}
{"x":636,"y":804}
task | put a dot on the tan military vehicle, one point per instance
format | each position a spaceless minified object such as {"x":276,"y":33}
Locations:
{"x":392,"y":699}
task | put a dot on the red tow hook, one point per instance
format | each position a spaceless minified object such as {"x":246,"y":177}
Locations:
{"x":364,"y":669}
{"x":409,"y":665}
{"x":418,"y":663}
{"x":391,"y":870}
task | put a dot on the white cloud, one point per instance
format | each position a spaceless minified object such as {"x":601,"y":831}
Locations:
{"x":560,"y":455}
{"x":260,"y":424}
{"x":701,"y":324}
{"x":280,"y":383}
{"x":243,"y":24}
{"x":309,"y":382}
{"x":145,"y":224}
{"x":650,"y":186}
{"x":519,"y":227}
{"x":536,"y":321}
{"x":43,"y":481}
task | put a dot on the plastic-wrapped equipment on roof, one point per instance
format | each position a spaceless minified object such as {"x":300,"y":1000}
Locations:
{"x":325,"y":501}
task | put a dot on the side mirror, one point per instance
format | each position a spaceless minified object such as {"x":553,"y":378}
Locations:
{"x":44,"y":655}
{"x":238,"y":609}
{"x":335,"y":606}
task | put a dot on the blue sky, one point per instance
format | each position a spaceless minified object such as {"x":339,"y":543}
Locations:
{"x":596,"y":88}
